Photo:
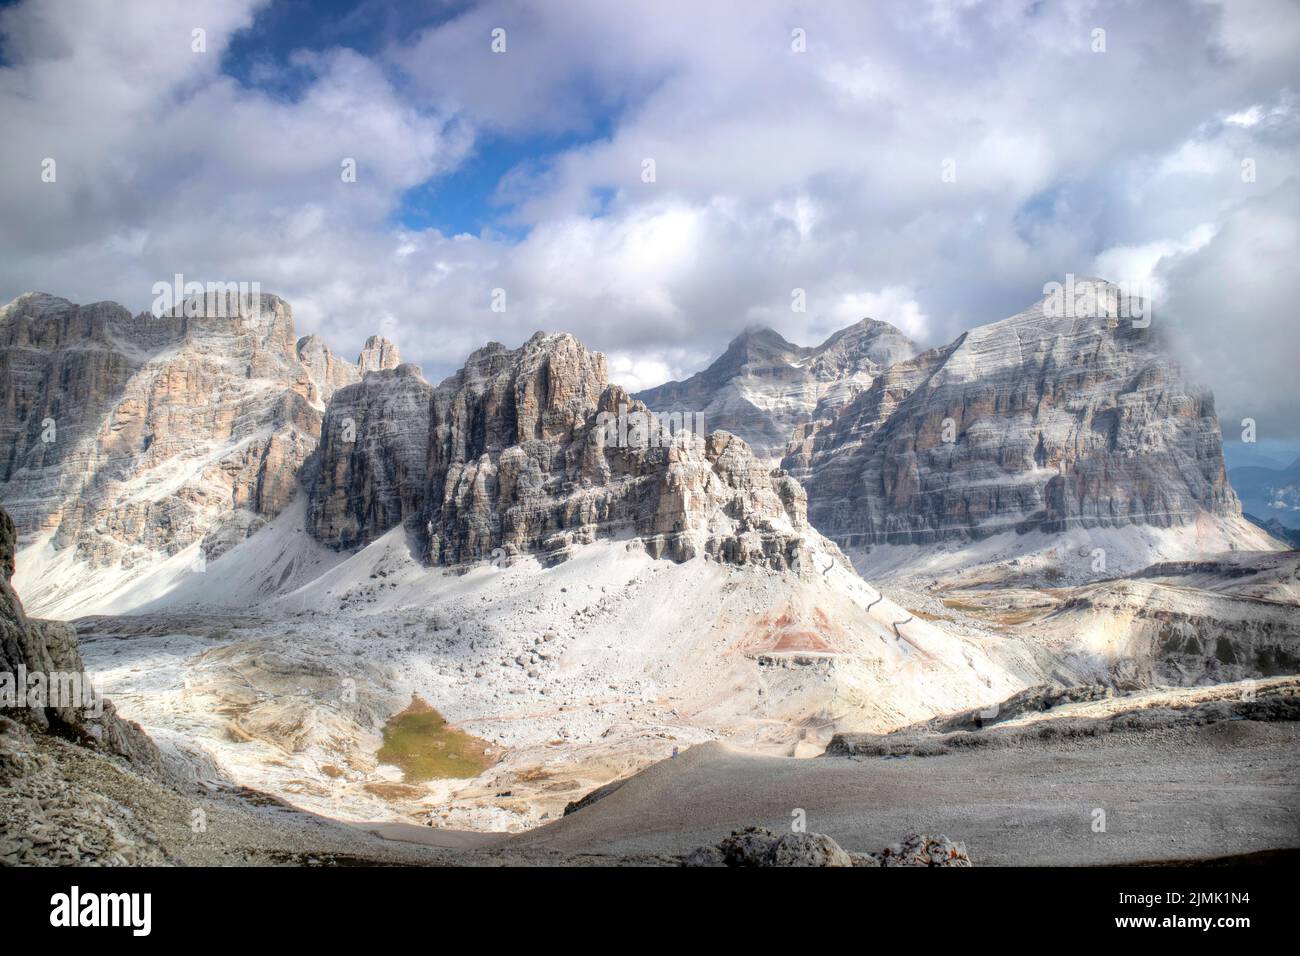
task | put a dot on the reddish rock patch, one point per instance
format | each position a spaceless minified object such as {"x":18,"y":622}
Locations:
{"x":800,"y":640}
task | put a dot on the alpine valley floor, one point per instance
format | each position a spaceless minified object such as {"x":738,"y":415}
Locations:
{"x":1182,"y":776}
{"x":586,"y":677}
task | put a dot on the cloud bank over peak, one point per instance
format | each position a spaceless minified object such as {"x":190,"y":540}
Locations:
{"x":929,"y":164}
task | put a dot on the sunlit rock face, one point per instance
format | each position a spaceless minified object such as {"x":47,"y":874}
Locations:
{"x":328,"y":372}
{"x":529,"y":451}
{"x":129,"y":437}
{"x":763,"y":387}
{"x":377,"y":355}
{"x":1038,"y":421}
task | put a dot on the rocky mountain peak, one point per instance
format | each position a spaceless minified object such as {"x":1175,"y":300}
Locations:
{"x":130,"y":437}
{"x":758,"y":345}
{"x":377,"y":355}
{"x":867,"y":340}
{"x":764,"y":387}
{"x":329,"y":372}
{"x":257,"y":321}
{"x":1049,"y":419}
{"x":532,"y":451}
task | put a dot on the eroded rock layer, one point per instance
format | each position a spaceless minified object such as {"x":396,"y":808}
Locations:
{"x":763,"y":387}
{"x":1034,"y":422}
{"x":129,"y":437}
{"x":522,"y":452}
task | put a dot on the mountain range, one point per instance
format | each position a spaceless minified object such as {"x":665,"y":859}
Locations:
{"x":762,"y":387}
{"x":1034,"y":422}
{"x":271,"y":552}
{"x":128,"y":439}
{"x":1271,"y":494}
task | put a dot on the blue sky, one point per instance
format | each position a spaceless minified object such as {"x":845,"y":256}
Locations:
{"x":776,"y":168}
{"x":465,"y":200}
{"x":469,"y":199}
{"x":283,"y":27}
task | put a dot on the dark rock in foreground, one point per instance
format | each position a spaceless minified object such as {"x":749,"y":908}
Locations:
{"x":758,"y":846}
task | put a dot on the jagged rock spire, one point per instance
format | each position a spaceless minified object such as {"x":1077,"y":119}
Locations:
{"x":377,"y":355}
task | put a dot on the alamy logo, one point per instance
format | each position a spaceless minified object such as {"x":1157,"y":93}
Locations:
{"x":207,"y":300}
{"x":103,"y":909}
{"x":39,"y":690}
{"x":647,"y":429}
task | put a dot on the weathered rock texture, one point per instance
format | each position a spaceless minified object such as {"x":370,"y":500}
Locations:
{"x":1033,"y":422}
{"x":46,"y":816}
{"x":520,"y":452}
{"x":377,"y":355}
{"x":763,"y":387}
{"x":371,"y":473}
{"x":328,"y":371}
{"x":132,"y":437}
{"x":759,"y":846}
{"x":33,"y":650}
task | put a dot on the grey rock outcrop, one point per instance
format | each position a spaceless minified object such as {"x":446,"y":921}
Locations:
{"x":759,"y":846}
{"x":371,"y":472}
{"x":51,"y":815}
{"x":763,"y":387}
{"x":48,"y":816}
{"x":921,"y":850}
{"x":530,"y":451}
{"x":1034,"y":422}
{"x":42,"y":671}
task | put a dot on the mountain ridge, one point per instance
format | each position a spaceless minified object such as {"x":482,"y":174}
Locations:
{"x":180,"y":429}
{"x":1035,"y":421}
{"x":515,"y":454}
{"x":762,"y":386}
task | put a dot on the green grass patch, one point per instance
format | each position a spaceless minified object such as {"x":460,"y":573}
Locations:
{"x":422,"y":744}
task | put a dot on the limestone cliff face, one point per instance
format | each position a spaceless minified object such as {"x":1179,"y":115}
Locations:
{"x":763,"y":387}
{"x":377,"y":355}
{"x":1033,"y":422}
{"x":132,"y":437}
{"x":528,"y":451}
{"x":328,"y":372}
{"x":62,"y":368}
{"x":371,"y":471}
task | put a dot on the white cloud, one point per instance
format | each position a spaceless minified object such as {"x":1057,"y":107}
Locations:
{"x":1139,"y":266}
{"x":1230,"y":312}
{"x":896,"y":305}
{"x":638,"y":372}
{"x":775,"y":170}
{"x":1247,"y":117}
